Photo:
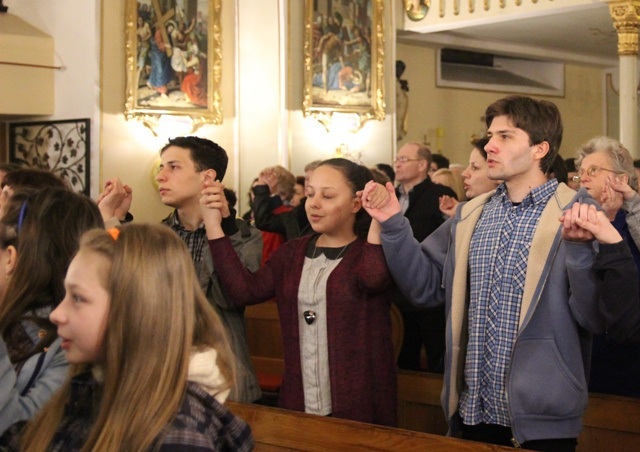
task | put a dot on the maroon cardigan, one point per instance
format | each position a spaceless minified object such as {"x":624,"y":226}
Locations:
{"x":362,"y":367}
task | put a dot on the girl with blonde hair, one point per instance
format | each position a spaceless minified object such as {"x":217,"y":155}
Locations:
{"x":151,"y":365}
{"x":451,"y":179}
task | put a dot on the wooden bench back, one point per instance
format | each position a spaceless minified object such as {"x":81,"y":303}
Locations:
{"x":276,"y":429}
{"x":611,"y":423}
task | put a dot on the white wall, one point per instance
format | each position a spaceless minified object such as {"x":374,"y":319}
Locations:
{"x":74,"y":26}
{"x":309,"y":140}
{"x":272,"y":128}
{"x":129,"y":149}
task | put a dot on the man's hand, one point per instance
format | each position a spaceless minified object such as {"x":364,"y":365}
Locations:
{"x":376,"y":195}
{"x":380,"y":202}
{"x":583,"y":222}
{"x":213,"y":204}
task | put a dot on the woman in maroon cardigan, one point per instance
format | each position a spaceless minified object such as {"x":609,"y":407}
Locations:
{"x":332,"y":290}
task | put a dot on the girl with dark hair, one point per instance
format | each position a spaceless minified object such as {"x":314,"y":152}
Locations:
{"x":332,"y":291}
{"x":475,"y":178}
{"x":39,"y":234}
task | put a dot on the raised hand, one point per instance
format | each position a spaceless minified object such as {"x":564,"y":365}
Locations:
{"x":213,"y":205}
{"x":380,"y":206}
{"x":448,"y":205}
{"x":583,"y":222}
{"x":373,"y":195}
{"x":611,"y":200}
{"x":115,"y":199}
{"x":621,"y":187}
{"x":268,"y":177}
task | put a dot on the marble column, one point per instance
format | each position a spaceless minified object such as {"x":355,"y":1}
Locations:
{"x":626,"y":17}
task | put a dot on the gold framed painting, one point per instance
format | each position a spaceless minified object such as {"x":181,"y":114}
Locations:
{"x":174,"y":57}
{"x":344,"y":58}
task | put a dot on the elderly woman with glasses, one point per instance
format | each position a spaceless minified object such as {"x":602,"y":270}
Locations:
{"x":605,"y":170}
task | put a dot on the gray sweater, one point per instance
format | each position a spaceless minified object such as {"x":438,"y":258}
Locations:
{"x":45,"y":379}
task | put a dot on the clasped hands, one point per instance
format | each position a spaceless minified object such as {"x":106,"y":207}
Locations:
{"x":115,"y":199}
{"x":580,"y":223}
{"x":379,"y":201}
{"x":213,"y":202}
{"x":584,"y":222}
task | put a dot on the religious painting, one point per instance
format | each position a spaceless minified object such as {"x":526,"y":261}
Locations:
{"x":344,"y":58}
{"x":61,"y":147}
{"x":173,"y":59}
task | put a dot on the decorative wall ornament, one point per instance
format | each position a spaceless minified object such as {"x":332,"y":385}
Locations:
{"x":626,"y":19}
{"x":173,"y":61}
{"x":61,"y":147}
{"x":344,"y":59}
{"x":417,"y":9}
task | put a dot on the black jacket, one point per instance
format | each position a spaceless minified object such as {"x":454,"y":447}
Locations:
{"x":424,"y":209}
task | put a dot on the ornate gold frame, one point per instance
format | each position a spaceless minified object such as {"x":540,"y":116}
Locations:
{"x":150,"y":114}
{"x":373,"y":105}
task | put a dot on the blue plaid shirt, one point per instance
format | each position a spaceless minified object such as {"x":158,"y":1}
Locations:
{"x":497,"y":269}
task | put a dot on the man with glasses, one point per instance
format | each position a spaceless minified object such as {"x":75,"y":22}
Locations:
{"x":419,"y":198}
{"x":605,"y":169}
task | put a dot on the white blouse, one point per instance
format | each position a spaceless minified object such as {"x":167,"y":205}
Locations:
{"x":312,"y":325}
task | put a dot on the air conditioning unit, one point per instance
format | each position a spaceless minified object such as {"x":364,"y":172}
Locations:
{"x":489,"y":72}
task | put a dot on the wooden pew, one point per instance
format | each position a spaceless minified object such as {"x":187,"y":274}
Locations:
{"x":276,"y":429}
{"x":611,"y":423}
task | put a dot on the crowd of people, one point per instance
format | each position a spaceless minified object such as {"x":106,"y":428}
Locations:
{"x":502,"y":272}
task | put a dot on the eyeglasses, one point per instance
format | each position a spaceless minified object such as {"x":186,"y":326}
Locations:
{"x":592,"y":171}
{"x":405,"y":160}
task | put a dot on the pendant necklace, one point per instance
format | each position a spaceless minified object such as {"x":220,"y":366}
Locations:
{"x":310,"y":315}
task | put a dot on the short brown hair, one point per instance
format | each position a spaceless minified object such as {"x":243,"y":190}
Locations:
{"x":540,"y":119}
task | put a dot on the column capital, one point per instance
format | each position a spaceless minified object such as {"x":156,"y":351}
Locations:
{"x":626,"y":18}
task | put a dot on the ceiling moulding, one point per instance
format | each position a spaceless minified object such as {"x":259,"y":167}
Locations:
{"x":445,"y":16}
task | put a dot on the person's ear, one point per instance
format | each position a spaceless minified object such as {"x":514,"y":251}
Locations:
{"x":9,"y":259}
{"x":357,"y":205}
{"x":209,"y":174}
{"x":541,"y":149}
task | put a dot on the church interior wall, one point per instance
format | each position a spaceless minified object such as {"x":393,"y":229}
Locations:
{"x":263,"y":123}
{"x":449,"y":117}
